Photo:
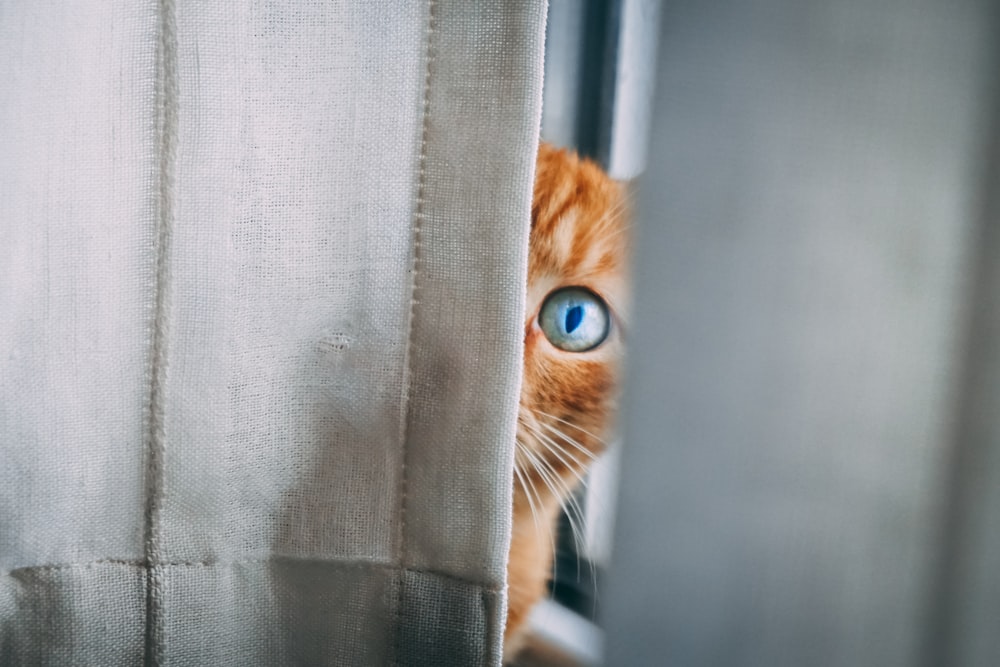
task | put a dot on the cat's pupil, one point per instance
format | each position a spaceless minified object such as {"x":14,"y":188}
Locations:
{"x":573,"y":318}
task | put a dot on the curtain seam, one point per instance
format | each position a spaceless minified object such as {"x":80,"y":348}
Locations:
{"x":140,"y":563}
{"x":419,"y":216}
{"x":155,"y":434}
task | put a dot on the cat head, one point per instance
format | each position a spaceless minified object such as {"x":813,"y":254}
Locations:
{"x":576,"y":315}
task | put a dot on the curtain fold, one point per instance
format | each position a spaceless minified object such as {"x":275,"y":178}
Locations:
{"x":261,"y":298}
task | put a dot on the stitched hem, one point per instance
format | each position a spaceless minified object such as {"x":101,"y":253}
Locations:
{"x":139,"y":563}
{"x":167,"y":101}
{"x":418,"y":220}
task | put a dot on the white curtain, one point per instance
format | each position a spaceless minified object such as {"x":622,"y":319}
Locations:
{"x":261,"y":279}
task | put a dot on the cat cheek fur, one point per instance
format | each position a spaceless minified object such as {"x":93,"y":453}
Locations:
{"x":568,"y":399}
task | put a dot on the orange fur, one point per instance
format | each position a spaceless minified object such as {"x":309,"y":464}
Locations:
{"x":578,"y":238}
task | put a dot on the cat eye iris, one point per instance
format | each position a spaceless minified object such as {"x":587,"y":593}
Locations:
{"x":574,"y":319}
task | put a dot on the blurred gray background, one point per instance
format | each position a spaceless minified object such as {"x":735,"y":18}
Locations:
{"x":812,"y":464}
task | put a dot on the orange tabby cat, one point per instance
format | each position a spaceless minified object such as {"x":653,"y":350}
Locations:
{"x":572,"y":347}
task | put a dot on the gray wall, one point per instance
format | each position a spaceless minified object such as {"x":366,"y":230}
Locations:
{"x":812,"y":470}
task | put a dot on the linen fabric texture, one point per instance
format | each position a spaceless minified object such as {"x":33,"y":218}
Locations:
{"x":261,"y":299}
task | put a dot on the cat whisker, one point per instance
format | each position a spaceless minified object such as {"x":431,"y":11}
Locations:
{"x":529,"y":489}
{"x":571,"y":424}
{"x":573,"y":442}
{"x":561,"y":453}
{"x":563,"y":494}
{"x":578,"y":541}
{"x":568,"y":499}
{"x":544,"y":467}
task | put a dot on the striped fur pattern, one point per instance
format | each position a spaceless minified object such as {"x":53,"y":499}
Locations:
{"x":568,"y":399}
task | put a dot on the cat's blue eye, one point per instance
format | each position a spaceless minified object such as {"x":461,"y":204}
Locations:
{"x":574,"y":319}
